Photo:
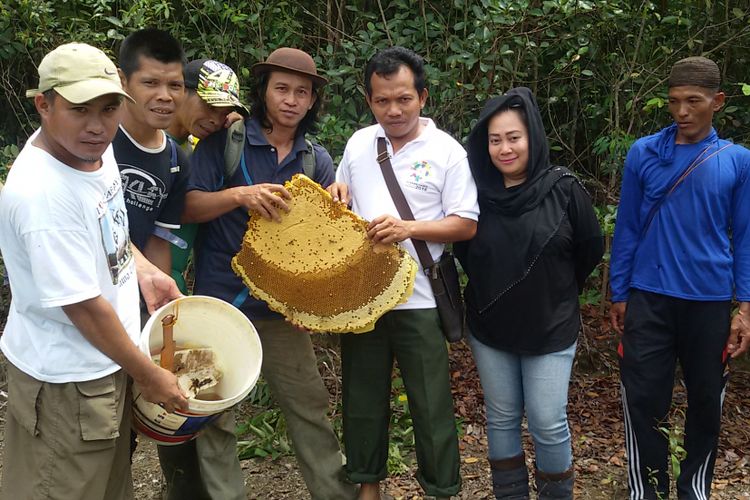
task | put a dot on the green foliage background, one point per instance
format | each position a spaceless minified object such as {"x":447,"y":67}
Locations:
{"x":598,"y":67}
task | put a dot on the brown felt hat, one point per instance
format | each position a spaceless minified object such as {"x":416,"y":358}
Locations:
{"x":293,"y":61}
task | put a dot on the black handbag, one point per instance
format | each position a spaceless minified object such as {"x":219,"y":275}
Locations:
{"x":443,"y":274}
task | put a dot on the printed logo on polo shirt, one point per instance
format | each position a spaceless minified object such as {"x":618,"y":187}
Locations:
{"x":141,"y":189}
{"x":420,"y":171}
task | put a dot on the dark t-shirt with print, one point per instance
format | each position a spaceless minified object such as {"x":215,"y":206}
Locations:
{"x":153,"y":184}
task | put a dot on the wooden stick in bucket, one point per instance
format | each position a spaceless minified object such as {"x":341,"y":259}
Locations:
{"x":167,"y":351}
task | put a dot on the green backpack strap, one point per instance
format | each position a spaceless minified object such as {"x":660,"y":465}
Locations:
{"x":308,"y":160}
{"x":233,"y":149}
{"x":235,"y":144}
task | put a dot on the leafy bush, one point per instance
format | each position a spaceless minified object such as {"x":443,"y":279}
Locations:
{"x":264,"y":433}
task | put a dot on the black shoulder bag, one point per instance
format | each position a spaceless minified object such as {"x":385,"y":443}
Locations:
{"x":443,"y":274}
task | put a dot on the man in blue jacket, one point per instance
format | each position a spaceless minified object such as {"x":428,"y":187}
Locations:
{"x":680,"y":254}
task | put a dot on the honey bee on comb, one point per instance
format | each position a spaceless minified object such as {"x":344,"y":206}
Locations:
{"x":318,"y":268}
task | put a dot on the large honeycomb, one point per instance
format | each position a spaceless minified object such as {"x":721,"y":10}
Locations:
{"x":317,"y":266}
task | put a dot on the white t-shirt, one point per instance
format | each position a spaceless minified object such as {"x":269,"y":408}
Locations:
{"x":64,"y":239}
{"x":434,"y":175}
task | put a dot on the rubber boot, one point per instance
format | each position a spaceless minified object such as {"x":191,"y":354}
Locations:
{"x":555,"y":486}
{"x":510,"y":479}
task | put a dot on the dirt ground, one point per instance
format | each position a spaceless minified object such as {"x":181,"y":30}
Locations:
{"x":596,"y":423}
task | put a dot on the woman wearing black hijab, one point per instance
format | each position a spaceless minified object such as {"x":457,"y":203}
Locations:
{"x":537,"y":241}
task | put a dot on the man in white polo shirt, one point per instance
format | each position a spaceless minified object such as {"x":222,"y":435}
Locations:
{"x":433,"y":173}
{"x":74,"y":322}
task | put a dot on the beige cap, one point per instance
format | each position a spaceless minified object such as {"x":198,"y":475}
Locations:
{"x":79,"y":73}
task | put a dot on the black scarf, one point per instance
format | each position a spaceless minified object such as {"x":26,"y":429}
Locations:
{"x":515,"y":224}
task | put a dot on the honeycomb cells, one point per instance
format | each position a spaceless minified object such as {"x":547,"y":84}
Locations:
{"x":318,"y":268}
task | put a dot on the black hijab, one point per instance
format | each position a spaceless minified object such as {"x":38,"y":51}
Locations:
{"x":515,"y":224}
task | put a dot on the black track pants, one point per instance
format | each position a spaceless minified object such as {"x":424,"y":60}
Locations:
{"x":659,"y":330}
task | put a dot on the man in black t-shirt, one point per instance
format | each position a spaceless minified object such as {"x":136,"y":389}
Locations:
{"x":154,"y":170}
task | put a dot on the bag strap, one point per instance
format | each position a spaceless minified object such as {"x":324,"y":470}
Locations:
{"x":697,"y":162}
{"x":384,"y":160}
{"x":172,"y":152}
{"x":233,"y":149}
{"x":309,"y":160}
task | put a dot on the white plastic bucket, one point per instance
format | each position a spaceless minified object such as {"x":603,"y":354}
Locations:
{"x":201,"y":322}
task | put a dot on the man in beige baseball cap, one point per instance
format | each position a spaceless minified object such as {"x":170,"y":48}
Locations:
{"x":79,"y":73}
{"x":71,"y":334}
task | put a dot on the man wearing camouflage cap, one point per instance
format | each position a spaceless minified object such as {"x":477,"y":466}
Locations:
{"x":211,"y":103}
{"x":212,"y":93}
{"x":74,"y":322}
{"x":681,"y":253}
{"x":198,"y":469}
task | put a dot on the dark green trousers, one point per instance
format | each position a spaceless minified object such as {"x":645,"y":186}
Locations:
{"x":413,"y":338}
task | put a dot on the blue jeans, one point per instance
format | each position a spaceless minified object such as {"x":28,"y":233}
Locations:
{"x":540,"y":384}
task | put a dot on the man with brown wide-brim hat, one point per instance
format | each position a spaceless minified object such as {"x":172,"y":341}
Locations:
{"x":284,"y":108}
{"x":284,"y":66}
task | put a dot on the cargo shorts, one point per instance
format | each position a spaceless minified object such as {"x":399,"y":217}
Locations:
{"x":67,"y":440}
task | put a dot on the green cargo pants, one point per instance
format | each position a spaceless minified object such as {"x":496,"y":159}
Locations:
{"x":290,"y":369}
{"x":414,"y":339}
